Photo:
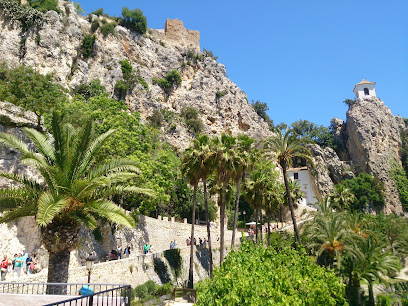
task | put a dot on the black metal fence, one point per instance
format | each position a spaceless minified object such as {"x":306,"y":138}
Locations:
{"x":74,"y":294}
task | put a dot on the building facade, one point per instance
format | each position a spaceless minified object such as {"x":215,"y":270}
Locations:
{"x":307,"y":186}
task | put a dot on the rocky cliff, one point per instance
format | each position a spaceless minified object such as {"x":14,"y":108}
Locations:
{"x":55,"y":47}
{"x":373,"y":143}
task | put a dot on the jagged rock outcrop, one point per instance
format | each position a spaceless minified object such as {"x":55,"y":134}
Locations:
{"x":373,"y":142}
{"x":55,"y":48}
{"x":329,"y":169}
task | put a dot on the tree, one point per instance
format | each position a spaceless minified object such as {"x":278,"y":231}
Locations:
{"x":341,"y":197}
{"x":261,"y":108}
{"x":75,"y":190}
{"x":225,"y":161}
{"x":246,"y":156}
{"x":134,"y":20}
{"x":285,"y":149}
{"x":31,"y":90}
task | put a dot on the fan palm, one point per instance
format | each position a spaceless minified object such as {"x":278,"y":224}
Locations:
{"x":225,"y":162}
{"x":341,"y":197}
{"x":75,"y":190}
{"x":246,"y":156}
{"x":286,"y":147}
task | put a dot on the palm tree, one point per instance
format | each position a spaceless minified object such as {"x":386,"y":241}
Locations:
{"x":225,"y":162}
{"x":273,"y":199}
{"x":341,"y":197}
{"x":245,"y":159}
{"x":201,"y":154}
{"x":373,"y":263}
{"x":75,"y":190}
{"x":191,"y":170}
{"x":286,"y":147}
{"x":327,"y":236}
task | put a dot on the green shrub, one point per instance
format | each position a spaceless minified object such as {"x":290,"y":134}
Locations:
{"x":193,"y":122}
{"x":141,"y":291}
{"x":97,"y":234}
{"x":28,"y":16}
{"x":45,"y":5}
{"x":121,"y":88}
{"x":134,"y":20}
{"x":94,"y":25}
{"x":98,"y":12}
{"x":208,"y":53}
{"x":401,"y":180}
{"x":92,"y":89}
{"x":163,"y":290}
{"x":173,"y":77}
{"x":142,"y":82}
{"x":127,"y":69}
{"x":255,"y":275}
{"x":151,"y":287}
{"x":87,"y":46}
{"x":220,"y":94}
{"x":349,"y":102}
{"x":108,"y":28}
{"x":156,"y":119}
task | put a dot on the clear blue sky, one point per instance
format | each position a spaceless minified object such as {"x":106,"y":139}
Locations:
{"x":302,"y":58}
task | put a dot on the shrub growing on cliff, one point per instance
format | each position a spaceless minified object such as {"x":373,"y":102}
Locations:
{"x":28,"y":16}
{"x":173,"y":78}
{"x":134,"y":20}
{"x":193,"y":122}
{"x":87,"y":46}
{"x":108,"y":28}
{"x":264,"y":276}
{"x":400,"y":178}
{"x":45,"y":5}
{"x":92,"y":89}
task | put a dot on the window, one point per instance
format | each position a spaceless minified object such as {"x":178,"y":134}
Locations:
{"x":296,"y":176}
{"x":366,"y":91}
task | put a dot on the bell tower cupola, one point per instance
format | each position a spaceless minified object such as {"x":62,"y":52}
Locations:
{"x":364,"y":88}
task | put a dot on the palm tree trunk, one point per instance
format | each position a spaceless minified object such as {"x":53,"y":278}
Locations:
{"x":290,"y":201}
{"x":256,"y":226}
{"x":58,"y":264}
{"x":234,"y":228}
{"x":190,"y":272}
{"x":269,"y":232}
{"x":207,"y":219}
{"x":260,"y":221}
{"x":371,"y":301}
{"x":222,"y":220}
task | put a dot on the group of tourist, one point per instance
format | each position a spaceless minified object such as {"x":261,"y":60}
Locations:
{"x":21,"y":263}
{"x":200,"y":241}
{"x":147,"y":248}
{"x":126,"y":251}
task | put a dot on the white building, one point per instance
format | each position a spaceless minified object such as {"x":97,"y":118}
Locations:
{"x":364,"y":88}
{"x":307,"y":186}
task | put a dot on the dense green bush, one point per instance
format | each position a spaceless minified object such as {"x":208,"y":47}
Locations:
{"x":121,"y":88}
{"x":401,"y":180}
{"x":265,"y":276}
{"x":45,"y":5}
{"x":193,"y":122}
{"x":261,"y":108}
{"x":92,"y":89}
{"x":25,"y":87}
{"x":208,"y":53}
{"x":368,"y":192}
{"x":156,"y":118}
{"x":87,"y":46}
{"x":173,"y":77}
{"x":28,"y":16}
{"x":134,"y":20}
{"x":94,"y":25}
{"x":98,"y":12}
{"x":108,"y":28}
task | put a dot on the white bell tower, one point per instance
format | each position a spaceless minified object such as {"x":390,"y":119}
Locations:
{"x":364,"y":88}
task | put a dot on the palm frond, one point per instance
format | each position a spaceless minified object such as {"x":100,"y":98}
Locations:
{"x":41,"y":143}
{"x":13,"y":142}
{"x":117,"y":165}
{"x":49,"y":205}
{"x":84,"y":218}
{"x":15,"y":197}
{"x":110,"y":211}
{"x":18,"y":213}
{"x":23,"y":180}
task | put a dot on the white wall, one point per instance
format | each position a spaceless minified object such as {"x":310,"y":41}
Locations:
{"x":360,"y":90}
{"x":306,"y":186}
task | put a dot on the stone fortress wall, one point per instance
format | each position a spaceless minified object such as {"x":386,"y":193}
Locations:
{"x":176,"y":35}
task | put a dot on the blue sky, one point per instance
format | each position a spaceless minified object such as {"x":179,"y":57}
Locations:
{"x":302,"y":58}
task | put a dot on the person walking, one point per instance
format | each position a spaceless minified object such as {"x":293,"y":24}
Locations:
{"x":146,"y":248}
{"x":127,"y":251}
{"x":30,"y":264}
{"x":171,"y":245}
{"x":18,"y":263}
{"x":4,"y":266}
{"x":120,"y":251}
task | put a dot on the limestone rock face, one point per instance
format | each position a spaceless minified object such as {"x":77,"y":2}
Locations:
{"x":373,"y":142}
{"x":329,"y":169}
{"x":56,"y":48}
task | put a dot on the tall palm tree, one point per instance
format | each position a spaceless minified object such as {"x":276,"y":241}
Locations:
{"x":341,"y":197}
{"x":245,"y":159}
{"x":201,"y":154}
{"x":191,"y":170}
{"x":225,"y":161}
{"x":75,"y":190}
{"x":286,"y":147}
{"x":273,"y":199}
